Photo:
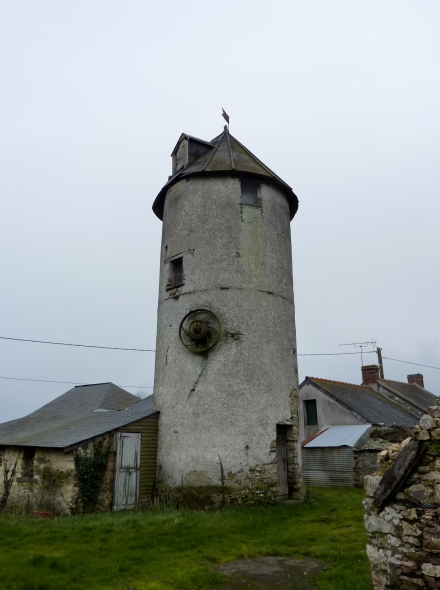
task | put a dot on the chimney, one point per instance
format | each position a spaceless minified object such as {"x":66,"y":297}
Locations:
{"x":416,"y":379}
{"x":370,"y":374}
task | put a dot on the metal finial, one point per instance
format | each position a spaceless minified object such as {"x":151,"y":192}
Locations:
{"x":225,"y":116}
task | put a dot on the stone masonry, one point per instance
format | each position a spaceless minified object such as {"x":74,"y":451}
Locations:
{"x":404,"y":529}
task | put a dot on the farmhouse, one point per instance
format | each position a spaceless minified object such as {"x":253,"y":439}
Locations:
{"x":101,"y":423}
{"x":343,"y":425}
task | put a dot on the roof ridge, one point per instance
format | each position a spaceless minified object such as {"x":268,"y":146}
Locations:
{"x":94,"y":384}
{"x":339,"y":382}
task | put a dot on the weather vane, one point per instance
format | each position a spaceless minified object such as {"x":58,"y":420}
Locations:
{"x":225,"y":116}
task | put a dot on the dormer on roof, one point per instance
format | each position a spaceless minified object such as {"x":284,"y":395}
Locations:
{"x":222,"y":155}
{"x":188,"y":149}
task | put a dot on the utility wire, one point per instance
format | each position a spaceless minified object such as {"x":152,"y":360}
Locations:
{"x":148,"y":349}
{"x":81,"y":345}
{"x":70,"y":382}
{"x":336,"y":353}
{"x":152,"y":350}
{"x":410,"y":363}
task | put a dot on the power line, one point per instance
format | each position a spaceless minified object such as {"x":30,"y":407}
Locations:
{"x":152,"y":350}
{"x":81,"y":345}
{"x":335,"y":353}
{"x":410,"y":363}
{"x":69,"y":382}
{"x":143,"y":349}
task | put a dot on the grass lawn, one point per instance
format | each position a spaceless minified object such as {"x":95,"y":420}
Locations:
{"x":168,"y":550}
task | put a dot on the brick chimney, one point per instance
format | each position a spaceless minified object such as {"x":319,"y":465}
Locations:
{"x":416,"y":379}
{"x":370,"y":374}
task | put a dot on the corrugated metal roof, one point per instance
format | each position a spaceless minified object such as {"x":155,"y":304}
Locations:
{"x":72,"y":417}
{"x":227,"y":155}
{"x":339,"y":436}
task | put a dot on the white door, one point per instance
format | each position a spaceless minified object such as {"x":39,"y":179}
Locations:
{"x":127,"y":470}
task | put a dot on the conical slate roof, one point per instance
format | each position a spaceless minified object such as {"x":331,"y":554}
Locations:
{"x":226,"y":156}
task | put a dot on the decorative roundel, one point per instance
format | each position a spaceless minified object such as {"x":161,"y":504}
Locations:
{"x":200,"y":330}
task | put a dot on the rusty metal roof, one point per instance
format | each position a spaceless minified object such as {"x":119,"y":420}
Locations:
{"x":226,"y":156}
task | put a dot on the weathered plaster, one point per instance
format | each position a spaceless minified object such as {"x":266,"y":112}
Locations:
{"x":26,"y":493}
{"x":225,"y":405}
{"x":329,"y":412}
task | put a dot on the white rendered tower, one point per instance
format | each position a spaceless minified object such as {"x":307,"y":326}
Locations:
{"x":226,"y":377}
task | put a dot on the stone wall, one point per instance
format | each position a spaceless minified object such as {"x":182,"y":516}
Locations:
{"x":51,"y":485}
{"x":365,"y":463}
{"x":404,"y":529}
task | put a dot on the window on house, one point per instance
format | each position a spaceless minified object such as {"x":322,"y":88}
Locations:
{"x":310,"y":413}
{"x":249,"y":192}
{"x":27,"y":463}
{"x":176,"y":278}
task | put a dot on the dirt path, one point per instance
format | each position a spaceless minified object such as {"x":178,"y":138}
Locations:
{"x":271,"y":573}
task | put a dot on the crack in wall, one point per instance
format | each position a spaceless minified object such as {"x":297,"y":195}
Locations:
{"x":199,"y":376}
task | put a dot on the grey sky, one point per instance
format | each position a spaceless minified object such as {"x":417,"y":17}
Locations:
{"x":340,"y":99}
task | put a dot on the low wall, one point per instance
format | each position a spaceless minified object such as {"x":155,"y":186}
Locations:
{"x":402,"y":510}
{"x":50,"y":485}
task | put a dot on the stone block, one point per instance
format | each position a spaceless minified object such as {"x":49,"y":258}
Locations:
{"x":410,"y":583}
{"x":431,"y":476}
{"x":371,"y":483}
{"x":418,"y":556}
{"x":410,"y":530}
{"x":419,"y":493}
{"x":377,"y":558}
{"x":427,"y":422}
{"x":423,"y":435}
{"x":374,"y":524}
{"x":431,"y":545}
{"x":435,"y":434}
{"x":409,"y":514}
{"x":413,"y":541}
{"x":431,"y":570}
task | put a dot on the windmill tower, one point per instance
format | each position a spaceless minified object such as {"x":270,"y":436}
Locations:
{"x":226,"y":376}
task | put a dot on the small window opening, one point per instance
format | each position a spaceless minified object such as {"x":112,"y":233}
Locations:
{"x":249,"y":193}
{"x":310,"y":413}
{"x":176,"y":278}
{"x":27,"y":464}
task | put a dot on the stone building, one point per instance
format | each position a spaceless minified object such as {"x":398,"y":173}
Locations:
{"x":37,"y":451}
{"x":226,"y":378}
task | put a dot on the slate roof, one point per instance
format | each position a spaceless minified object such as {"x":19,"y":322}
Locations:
{"x":81,"y":413}
{"x":227,"y":155}
{"x":364,"y":403}
{"x":411,"y":393}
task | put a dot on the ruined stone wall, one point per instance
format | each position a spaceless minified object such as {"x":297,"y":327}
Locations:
{"x":43,"y":489}
{"x":51,"y":486}
{"x":365,"y":463}
{"x":404,"y":530}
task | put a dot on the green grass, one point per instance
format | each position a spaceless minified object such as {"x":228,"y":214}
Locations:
{"x":168,"y":550}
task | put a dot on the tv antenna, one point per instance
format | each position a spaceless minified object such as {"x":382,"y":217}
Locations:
{"x":363,"y":345}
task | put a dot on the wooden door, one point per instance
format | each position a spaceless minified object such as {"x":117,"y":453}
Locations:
{"x":127,"y":470}
{"x":283,"y":488}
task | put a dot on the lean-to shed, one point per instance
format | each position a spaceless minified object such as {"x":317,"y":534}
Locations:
{"x":77,"y":420}
{"x":329,"y":456}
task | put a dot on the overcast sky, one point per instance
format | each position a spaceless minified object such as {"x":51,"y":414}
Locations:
{"x":340,"y":99}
